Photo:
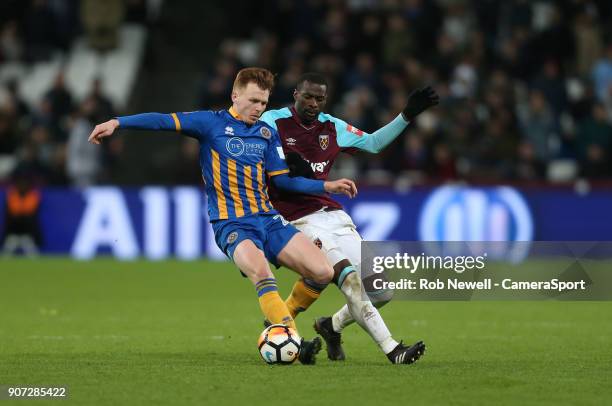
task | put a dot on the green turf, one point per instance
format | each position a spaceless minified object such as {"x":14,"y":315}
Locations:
{"x":185,"y":333}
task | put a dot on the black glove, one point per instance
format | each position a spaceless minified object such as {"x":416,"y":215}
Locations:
{"x":419,"y":101}
{"x":298,"y":166}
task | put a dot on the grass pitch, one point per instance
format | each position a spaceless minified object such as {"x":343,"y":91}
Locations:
{"x":185,"y":333}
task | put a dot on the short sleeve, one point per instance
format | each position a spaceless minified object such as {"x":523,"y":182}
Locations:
{"x":349,"y":138}
{"x":275,"y":157}
{"x":270,"y":116}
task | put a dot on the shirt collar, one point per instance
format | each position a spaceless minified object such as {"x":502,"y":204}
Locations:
{"x":234,"y":113}
{"x":297,"y":118}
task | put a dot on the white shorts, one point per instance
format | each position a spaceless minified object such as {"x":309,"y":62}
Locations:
{"x":340,"y":240}
{"x":336,"y":233}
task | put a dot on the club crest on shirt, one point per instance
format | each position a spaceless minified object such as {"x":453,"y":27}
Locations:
{"x":318,"y":243}
{"x":324,"y":141}
{"x":233,"y":236}
{"x":265,"y":132}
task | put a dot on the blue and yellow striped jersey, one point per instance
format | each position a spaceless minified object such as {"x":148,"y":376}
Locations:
{"x":235,"y":159}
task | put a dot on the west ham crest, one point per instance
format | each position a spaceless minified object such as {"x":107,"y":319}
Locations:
{"x":324,"y":141}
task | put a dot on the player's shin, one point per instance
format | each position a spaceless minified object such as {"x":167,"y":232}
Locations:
{"x":272,"y":306}
{"x":362,"y":311}
{"x":303,"y":294}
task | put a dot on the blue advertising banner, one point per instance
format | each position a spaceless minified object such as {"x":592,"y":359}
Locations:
{"x":159,"y":222}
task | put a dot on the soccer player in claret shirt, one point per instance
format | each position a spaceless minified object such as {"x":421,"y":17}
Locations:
{"x":240,"y":157}
{"x":312,"y":140}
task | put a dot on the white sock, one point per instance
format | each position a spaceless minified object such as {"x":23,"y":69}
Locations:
{"x":364,"y":313}
{"x":341,"y":319}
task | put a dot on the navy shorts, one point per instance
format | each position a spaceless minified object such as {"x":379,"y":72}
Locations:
{"x":270,"y":233}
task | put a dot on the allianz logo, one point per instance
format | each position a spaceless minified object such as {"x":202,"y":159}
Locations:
{"x":491,"y":215}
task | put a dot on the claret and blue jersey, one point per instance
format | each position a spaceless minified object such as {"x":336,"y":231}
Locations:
{"x":319,"y":143}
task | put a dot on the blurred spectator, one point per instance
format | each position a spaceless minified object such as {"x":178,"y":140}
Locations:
{"x":369,"y":38}
{"x":8,"y":131}
{"x":443,"y":166}
{"x":103,"y":105}
{"x":83,"y":158}
{"x":415,"y":155}
{"x":189,"y":172}
{"x":496,"y":149}
{"x":465,"y":79}
{"x":602,"y":76}
{"x":218,"y":84}
{"x":538,"y":126}
{"x":587,"y":36}
{"x":363,"y":73}
{"x":398,"y":41}
{"x":21,"y":108}
{"x":552,"y":86}
{"x":528,"y":167}
{"x":22,"y":231}
{"x":60,"y":102}
{"x":594,"y":143}
{"x":101,"y":20}
{"x":11,"y":44}
{"x":40,"y":31}
{"x":518,"y":80}
{"x":334,"y":32}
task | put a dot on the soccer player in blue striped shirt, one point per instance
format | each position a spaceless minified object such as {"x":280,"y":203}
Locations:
{"x":239,"y":154}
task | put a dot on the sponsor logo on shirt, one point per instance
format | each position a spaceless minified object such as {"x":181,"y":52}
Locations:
{"x":291,"y":141}
{"x":229,"y":130}
{"x":318,"y":166}
{"x":235,"y":146}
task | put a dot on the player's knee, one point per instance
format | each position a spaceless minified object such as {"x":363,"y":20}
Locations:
{"x":324,"y":275}
{"x":257,"y":272}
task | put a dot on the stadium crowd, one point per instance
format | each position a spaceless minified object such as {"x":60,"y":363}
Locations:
{"x":47,"y":141}
{"x":526,"y":86}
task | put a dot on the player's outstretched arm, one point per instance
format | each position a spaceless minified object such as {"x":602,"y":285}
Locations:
{"x":105,"y":129}
{"x":418,"y":101}
{"x":144,"y":121}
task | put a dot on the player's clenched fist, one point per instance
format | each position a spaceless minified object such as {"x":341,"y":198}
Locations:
{"x":103,"y":130}
{"x":344,"y":186}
